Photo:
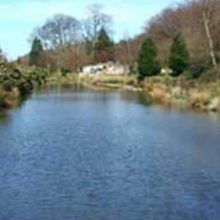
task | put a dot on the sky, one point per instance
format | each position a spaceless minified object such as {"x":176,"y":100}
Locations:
{"x":18,"y":18}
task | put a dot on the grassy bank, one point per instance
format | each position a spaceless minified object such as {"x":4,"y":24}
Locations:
{"x":128,"y":82}
{"x":198,"y":94}
{"x":56,"y":78}
{"x":201,"y":94}
{"x":96,"y":81}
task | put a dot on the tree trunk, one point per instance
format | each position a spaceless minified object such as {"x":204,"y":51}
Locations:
{"x":210,"y":41}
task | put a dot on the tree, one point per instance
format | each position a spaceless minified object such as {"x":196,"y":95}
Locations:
{"x":58,"y":31}
{"x":104,"y":48}
{"x":127,"y":51}
{"x":123,"y":51}
{"x":2,"y":56}
{"x":92,"y":25}
{"x":36,"y":53}
{"x":147,"y":61}
{"x":199,"y":22}
{"x":179,"y":56}
{"x":208,"y":10}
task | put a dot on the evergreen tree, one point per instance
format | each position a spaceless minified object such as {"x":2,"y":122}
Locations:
{"x":104,"y":48}
{"x":2,"y":56}
{"x":36,"y":54}
{"x":147,"y":61}
{"x":179,"y":56}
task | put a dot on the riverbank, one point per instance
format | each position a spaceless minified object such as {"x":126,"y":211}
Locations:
{"x":9,"y":99}
{"x":175,"y":92}
{"x":179,"y":92}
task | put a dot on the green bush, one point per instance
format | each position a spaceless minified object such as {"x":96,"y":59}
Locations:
{"x":16,"y":74}
{"x":12,"y":76}
{"x":65,"y":72}
{"x":25,"y":88}
{"x":8,"y":85}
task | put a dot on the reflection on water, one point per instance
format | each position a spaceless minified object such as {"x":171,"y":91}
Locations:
{"x":76,"y":154}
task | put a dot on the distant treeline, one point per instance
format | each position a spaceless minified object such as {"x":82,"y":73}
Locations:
{"x":185,"y":34}
{"x":66,"y":43}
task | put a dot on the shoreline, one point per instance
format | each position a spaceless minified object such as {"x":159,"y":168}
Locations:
{"x":166,"y":91}
{"x":169,"y":92}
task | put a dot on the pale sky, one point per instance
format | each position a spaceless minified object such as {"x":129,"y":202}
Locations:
{"x":18,"y":18}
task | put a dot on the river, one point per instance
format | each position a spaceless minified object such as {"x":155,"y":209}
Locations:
{"x":69,"y":154}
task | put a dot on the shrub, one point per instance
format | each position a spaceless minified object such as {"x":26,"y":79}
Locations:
{"x":25,"y":88}
{"x":23,"y":79}
{"x":8,"y":85}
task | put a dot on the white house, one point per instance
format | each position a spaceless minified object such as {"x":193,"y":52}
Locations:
{"x":165,"y":71}
{"x":93,"y":69}
{"x":109,"y":68}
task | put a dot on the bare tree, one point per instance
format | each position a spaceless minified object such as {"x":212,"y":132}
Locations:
{"x":208,"y":9}
{"x":127,"y":51}
{"x":58,"y":31}
{"x":95,"y":21}
{"x":198,"y":21}
{"x":2,"y":56}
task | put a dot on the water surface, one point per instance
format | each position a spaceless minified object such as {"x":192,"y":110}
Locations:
{"x":80,"y":155}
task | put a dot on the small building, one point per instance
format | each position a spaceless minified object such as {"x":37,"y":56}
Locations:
{"x":93,"y":69}
{"x":166,"y":71}
{"x":110,"y":68}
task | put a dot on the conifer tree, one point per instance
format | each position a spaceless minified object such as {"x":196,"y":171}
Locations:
{"x":104,"y":48}
{"x":147,"y":61}
{"x":2,"y":56}
{"x":36,"y":54}
{"x":179,"y":56}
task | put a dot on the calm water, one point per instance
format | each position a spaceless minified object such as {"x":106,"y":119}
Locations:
{"x":73,"y":155}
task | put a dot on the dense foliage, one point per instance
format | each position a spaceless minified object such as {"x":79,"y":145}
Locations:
{"x":14,"y":78}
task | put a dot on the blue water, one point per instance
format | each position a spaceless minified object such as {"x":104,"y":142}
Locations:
{"x":80,"y":155}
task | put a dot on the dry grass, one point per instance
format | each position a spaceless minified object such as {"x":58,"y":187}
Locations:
{"x":116,"y":79}
{"x":159,"y":95}
{"x":109,"y":80}
{"x":198,"y":98}
{"x":194,"y":94}
{"x":162,"y":89}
